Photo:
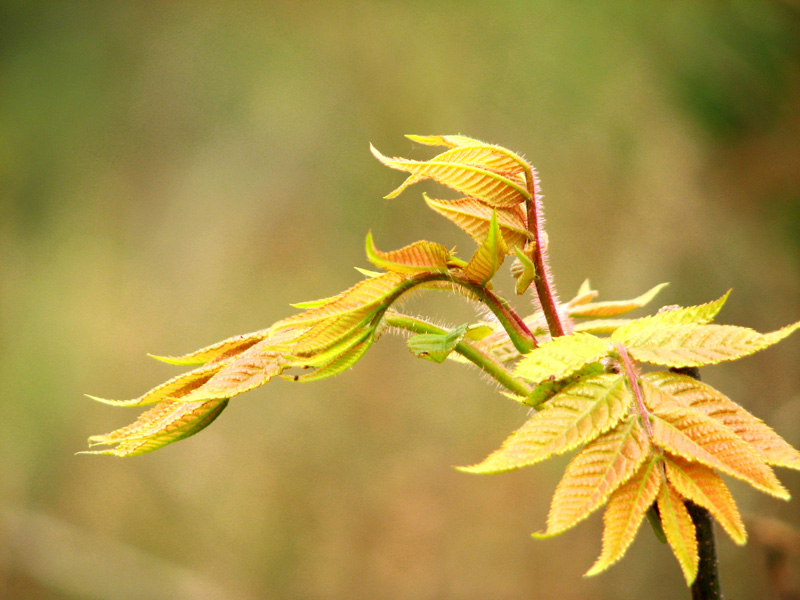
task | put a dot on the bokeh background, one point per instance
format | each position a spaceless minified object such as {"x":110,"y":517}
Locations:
{"x":174,"y":173}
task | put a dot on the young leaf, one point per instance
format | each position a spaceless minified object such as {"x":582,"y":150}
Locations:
{"x":576,"y":415}
{"x":615,"y":308}
{"x":489,"y":257}
{"x":625,"y":511}
{"x":694,"y":345}
{"x":474,"y":217}
{"x":687,"y":391}
{"x":476,"y":171}
{"x":218,"y":351}
{"x":450,"y":141}
{"x":705,"y":488}
{"x":528,"y":273}
{"x":252,"y":368}
{"x":680,"y":531}
{"x":561,"y":357}
{"x":163,"y":424}
{"x":688,"y":315}
{"x":595,"y":473}
{"x":436,"y":347}
{"x":340,"y":362}
{"x":693,"y":436}
{"x":414,"y":258}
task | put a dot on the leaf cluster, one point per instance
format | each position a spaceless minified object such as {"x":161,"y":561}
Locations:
{"x":647,"y":441}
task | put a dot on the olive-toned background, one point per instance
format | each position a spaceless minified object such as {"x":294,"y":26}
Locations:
{"x":174,"y":173}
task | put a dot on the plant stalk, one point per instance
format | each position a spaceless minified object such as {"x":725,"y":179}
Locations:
{"x":706,"y":585}
{"x":545,"y":288}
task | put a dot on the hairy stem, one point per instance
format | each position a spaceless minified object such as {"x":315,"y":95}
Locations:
{"x":545,"y":289}
{"x":488,"y":365}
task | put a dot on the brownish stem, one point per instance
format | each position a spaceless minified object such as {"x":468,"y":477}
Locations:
{"x":545,"y":289}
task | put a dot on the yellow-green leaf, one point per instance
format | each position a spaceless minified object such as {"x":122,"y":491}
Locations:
{"x":561,"y":357}
{"x":489,"y":256}
{"x":616,"y":307}
{"x":576,"y":415}
{"x":595,"y":473}
{"x":680,"y":531}
{"x":625,"y":511}
{"x":687,"y":315}
{"x":705,"y":488}
{"x":687,"y":391}
{"x":163,"y":424}
{"x":340,"y":362}
{"x":465,"y":169}
{"x":414,"y":258}
{"x":218,"y":351}
{"x":528,"y":272}
{"x":434,"y":346}
{"x":695,"y":345}
{"x":474,"y":217}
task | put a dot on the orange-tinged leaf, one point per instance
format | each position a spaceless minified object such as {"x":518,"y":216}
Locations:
{"x":595,"y":473}
{"x":173,"y":389}
{"x":340,"y":363}
{"x":561,"y":357}
{"x":163,"y":424}
{"x":680,"y":531}
{"x":474,"y":152}
{"x":218,"y":351}
{"x":615,"y":307}
{"x":489,"y":256}
{"x":474,"y":217}
{"x":695,"y":345}
{"x":252,"y":368}
{"x":576,"y":415}
{"x":625,"y":511}
{"x":690,"y":434}
{"x":705,"y":488}
{"x":366,"y":294}
{"x":450,"y":141}
{"x":465,"y":170}
{"x":687,"y":391}
{"x":414,"y":258}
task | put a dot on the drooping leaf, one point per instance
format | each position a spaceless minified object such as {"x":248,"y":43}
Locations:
{"x":476,"y":171}
{"x":363,"y":297}
{"x":680,"y":531}
{"x":695,"y":345}
{"x":218,"y":351}
{"x":595,"y":473}
{"x":616,"y":307}
{"x":436,"y":347}
{"x":705,"y":488}
{"x":625,"y":511}
{"x":489,"y":256}
{"x":340,"y":362}
{"x":173,"y":389}
{"x":561,"y":357}
{"x":474,"y":217}
{"x":163,"y":424}
{"x":251,"y":369}
{"x":576,"y":415}
{"x":414,"y":258}
{"x":690,"y":434}
{"x":687,"y":391}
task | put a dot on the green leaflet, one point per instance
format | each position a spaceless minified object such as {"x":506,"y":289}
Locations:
{"x":528,"y":273}
{"x":489,"y":256}
{"x":689,"y":315}
{"x":436,"y":347}
{"x":561,"y":357}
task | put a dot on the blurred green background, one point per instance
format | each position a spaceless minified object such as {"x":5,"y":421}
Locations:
{"x":174,"y":173}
